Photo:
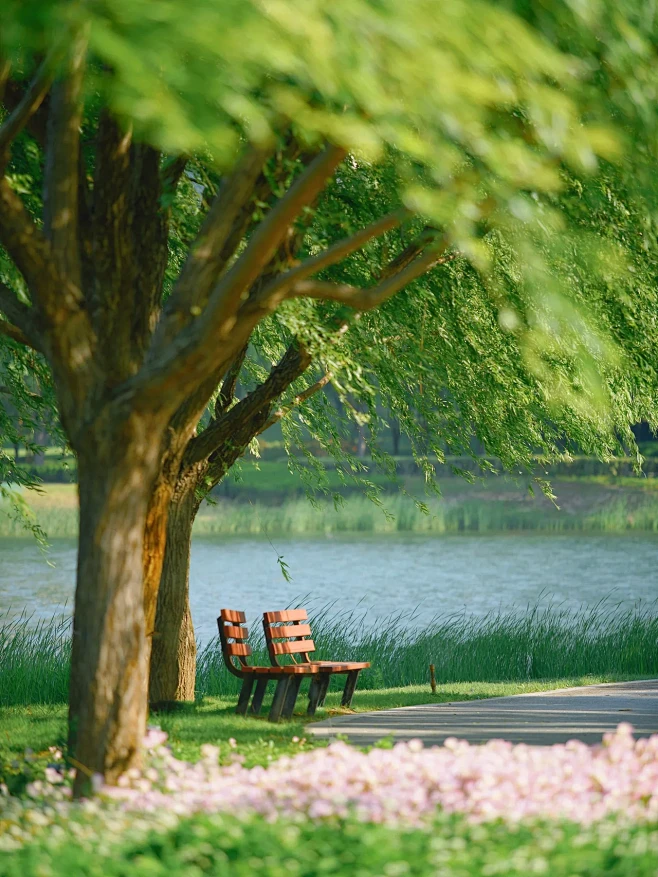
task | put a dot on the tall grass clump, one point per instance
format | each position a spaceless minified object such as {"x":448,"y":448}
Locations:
{"x":34,"y":660}
{"x":549,"y":642}
{"x":552,"y":642}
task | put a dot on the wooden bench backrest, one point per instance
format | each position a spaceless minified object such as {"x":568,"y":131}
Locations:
{"x":286,"y":633}
{"x":233,"y":636}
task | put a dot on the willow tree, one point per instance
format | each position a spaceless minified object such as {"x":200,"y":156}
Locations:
{"x":456,"y":359}
{"x":476,"y":110}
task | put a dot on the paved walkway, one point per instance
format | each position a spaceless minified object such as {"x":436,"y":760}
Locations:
{"x":543,"y":718}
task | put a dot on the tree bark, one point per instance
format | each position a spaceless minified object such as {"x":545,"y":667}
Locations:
{"x":173,"y":656}
{"x":109,"y":663}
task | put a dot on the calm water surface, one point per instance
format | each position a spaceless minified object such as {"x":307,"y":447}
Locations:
{"x":385,"y":575}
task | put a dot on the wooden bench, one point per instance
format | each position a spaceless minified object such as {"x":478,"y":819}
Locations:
{"x":288,"y":633}
{"x":233,"y":636}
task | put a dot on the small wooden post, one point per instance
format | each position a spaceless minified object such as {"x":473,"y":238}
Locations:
{"x":432,"y":679}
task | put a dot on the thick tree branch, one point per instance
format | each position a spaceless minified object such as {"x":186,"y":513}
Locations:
{"x":29,"y":250}
{"x":333,"y":254}
{"x":209,"y":254}
{"x":57,"y":302}
{"x":26,"y":107}
{"x":293,"y":363}
{"x":60,"y":201}
{"x":366,"y":299}
{"x":111,"y":240}
{"x":149,"y":245}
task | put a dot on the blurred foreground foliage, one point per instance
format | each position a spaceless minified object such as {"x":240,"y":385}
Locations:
{"x":525,"y":132}
{"x":221,"y":845}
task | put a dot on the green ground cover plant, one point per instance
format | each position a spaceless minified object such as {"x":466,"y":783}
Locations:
{"x":224,"y":845}
{"x":550,"y":643}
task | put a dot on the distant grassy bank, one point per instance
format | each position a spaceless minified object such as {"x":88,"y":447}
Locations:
{"x":597,"y":503}
{"x":605,"y":643}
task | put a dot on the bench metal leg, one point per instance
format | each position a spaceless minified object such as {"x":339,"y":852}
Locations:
{"x":279,"y":699}
{"x":325,"y":678}
{"x":291,"y":696}
{"x":350,"y":687}
{"x":259,"y":694}
{"x":245,"y":694}
{"x":314,"y":692}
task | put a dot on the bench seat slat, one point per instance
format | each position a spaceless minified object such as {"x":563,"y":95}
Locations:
{"x":289,"y":648}
{"x":286,"y":630}
{"x":337,"y":666}
{"x":285,"y":616}
{"x":289,"y":670}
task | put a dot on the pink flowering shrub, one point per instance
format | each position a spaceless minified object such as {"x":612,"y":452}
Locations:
{"x":406,"y":784}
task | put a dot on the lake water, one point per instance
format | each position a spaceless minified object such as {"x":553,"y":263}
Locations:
{"x":443,"y":575}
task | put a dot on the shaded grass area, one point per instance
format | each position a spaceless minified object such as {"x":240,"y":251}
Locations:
{"x":213,"y":719}
{"x":553,"y":642}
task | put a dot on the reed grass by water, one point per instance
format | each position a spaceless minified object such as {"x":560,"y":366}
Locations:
{"x":297,"y":517}
{"x":548,"y":642}
{"x":35,"y":658}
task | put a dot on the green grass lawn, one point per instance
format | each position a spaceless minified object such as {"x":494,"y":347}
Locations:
{"x":87,"y":842}
{"x":213,"y":720}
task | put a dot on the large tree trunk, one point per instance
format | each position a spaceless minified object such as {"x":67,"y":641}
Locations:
{"x":109,"y":664}
{"x":173,"y":657}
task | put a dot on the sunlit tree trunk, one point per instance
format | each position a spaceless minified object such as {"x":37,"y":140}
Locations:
{"x":109,"y":663}
{"x":173,"y":656}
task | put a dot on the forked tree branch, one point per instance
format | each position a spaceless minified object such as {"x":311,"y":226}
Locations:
{"x":366,"y":299}
{"x":208,"y":254}
{"x":27,"y":106}
{"x":60,"y":190}
{"x":268,"y":236}
{"x":175,"y":366}
{"x":332,"y":255}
